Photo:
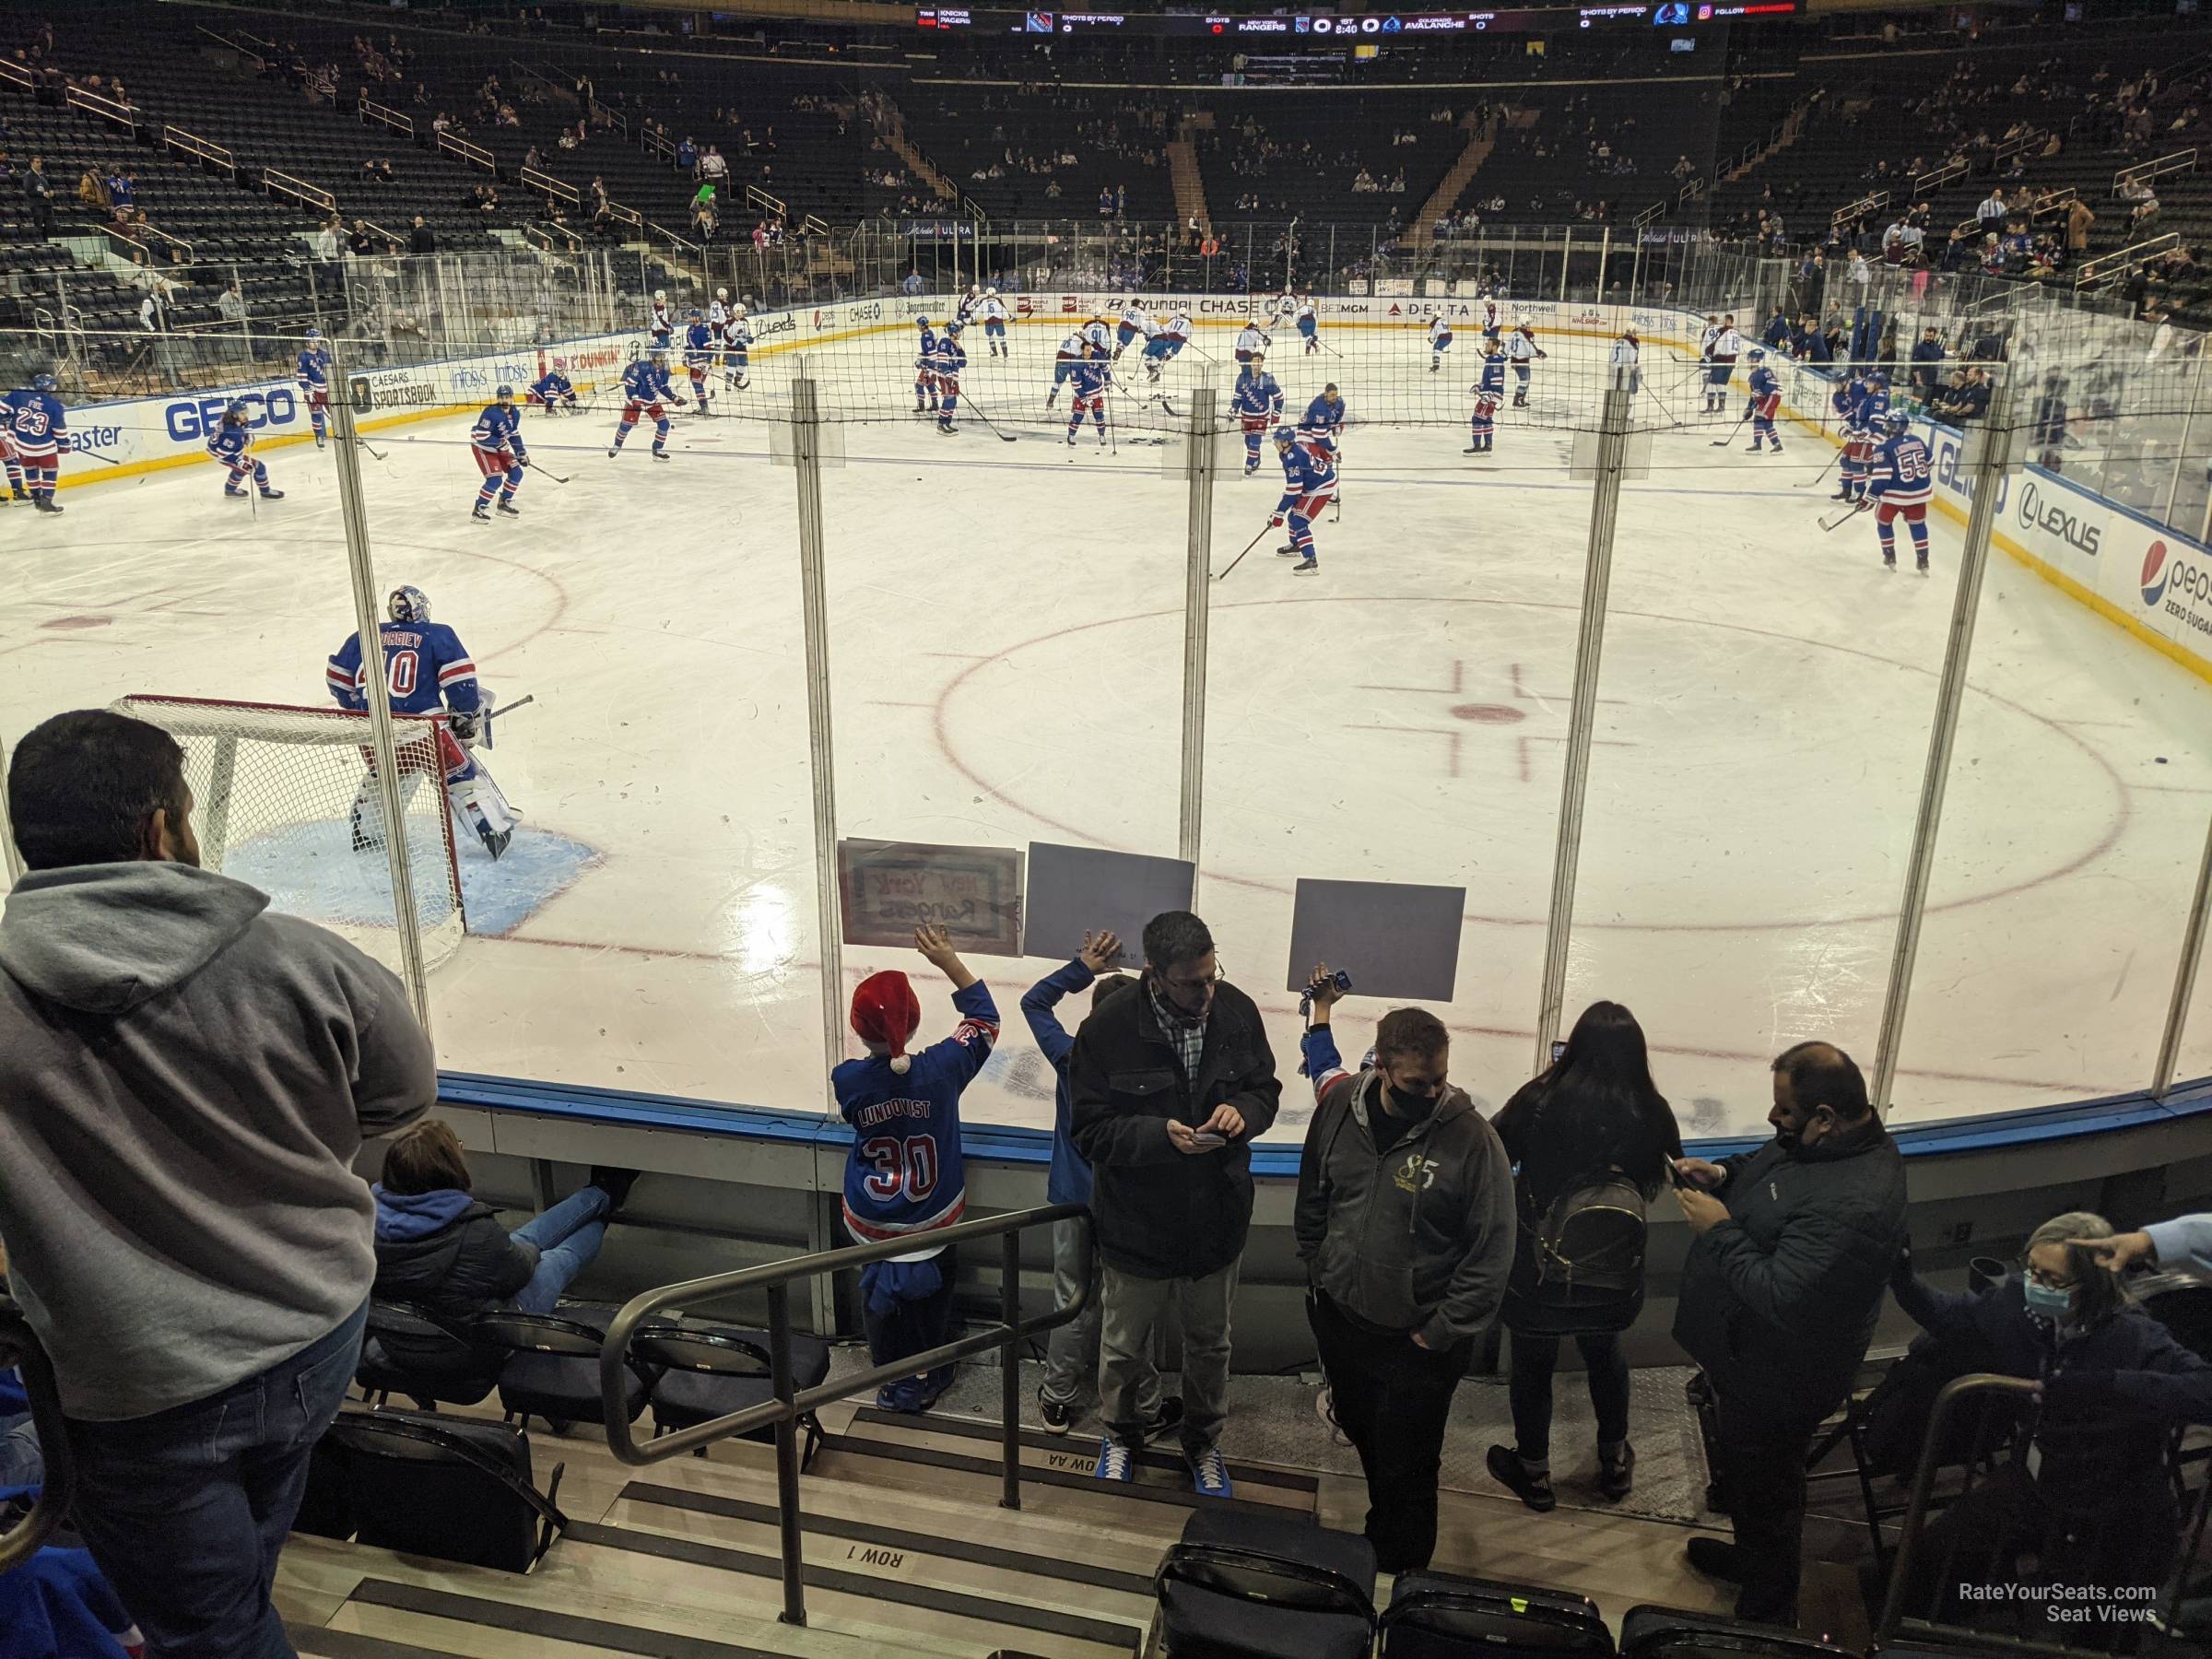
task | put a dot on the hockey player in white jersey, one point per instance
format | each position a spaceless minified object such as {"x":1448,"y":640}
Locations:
{"x":1135,"y":322}
{"x":993,"y":311}
{"x":736,"y":349}
{"x":1523,"y":352}
{"x":664,"y":320}
{"x":1071,"y":350}
{"x":970,"y":304}
{"x":1252,"y":340}
{"x":1309,"y":325}
{"x":1440,"y":342}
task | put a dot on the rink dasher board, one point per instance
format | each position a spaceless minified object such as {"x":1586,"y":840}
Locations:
{"x":2149,"y":580}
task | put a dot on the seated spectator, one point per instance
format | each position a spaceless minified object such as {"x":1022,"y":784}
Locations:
{"x":1594,"y":1117}
{"x":440,"y":1248}
{"x":2088,"y":1493}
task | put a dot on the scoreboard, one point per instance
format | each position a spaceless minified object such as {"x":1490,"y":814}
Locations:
{"x":1370,"y":27}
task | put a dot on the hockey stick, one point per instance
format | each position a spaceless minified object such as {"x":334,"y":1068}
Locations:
{"x":1724,"y":442}
{"x":1821,"y":473}
{"x":519,"y":702}
{"x":977,"y":410}
{"x":1857,"y":507}
{"x":90,"y":455}
{"x":1248,"y":546}
{"x":534,"y":466}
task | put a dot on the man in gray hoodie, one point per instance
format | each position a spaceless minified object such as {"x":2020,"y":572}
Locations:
{"x":185,"y":1079}
{"x":1406,"y":1224}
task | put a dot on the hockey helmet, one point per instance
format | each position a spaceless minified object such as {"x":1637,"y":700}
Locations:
{"x":45,"y":383}
{"x":503,"y":394}
{"x":989,"y":293}
{"x":693,"y":313}
{"x":561,"y":365}
{"x":313,"y":334}
{"x":921,"y":323}
{"x":235,"y":415}
{"x":1756,"y":355}
{"x":1879,"y":377}
{"x":407,"y":605}
{"x":1628,"y":334}
{"x":738,"y":312}
{"x":1898,"y":423}
{"x":1284,"y":436}
{"x":722,"y":293}
{"x":660,"y":295}
{"x":955,"y":326}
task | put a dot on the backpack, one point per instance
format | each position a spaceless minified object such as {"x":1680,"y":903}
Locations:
{"x":1578,"y":1268}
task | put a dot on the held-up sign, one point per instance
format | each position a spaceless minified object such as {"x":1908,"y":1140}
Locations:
{"x":892,"y":887}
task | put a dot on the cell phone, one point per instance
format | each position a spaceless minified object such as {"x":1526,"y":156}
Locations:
{"x":1558,"y":1051}
{"x":1208,"y":1137}
{"x":1675,"y":1177}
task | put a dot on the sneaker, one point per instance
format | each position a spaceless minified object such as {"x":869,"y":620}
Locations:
{"x":903,"y":1397}
{"x":1164,"y":1421}
{"x":1209,"y":1474}
{"x":1116,"y":1462}
{"x":1615,"y":1481}
{"x":1715,"y":1558}
{"x":1305,"y":567}
{"x":615,"y":1183}
{"x":1059,"y":1416}
{"x":1507,"y":1470}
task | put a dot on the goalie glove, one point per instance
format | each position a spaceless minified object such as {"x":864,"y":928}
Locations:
{"x":465,"y":727}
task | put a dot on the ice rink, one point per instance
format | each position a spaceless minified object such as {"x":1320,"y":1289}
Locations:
{"x":1006,"y":657}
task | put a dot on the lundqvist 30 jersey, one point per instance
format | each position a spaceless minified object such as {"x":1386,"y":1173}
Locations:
{"x":905,"y":1175}
{"x":35,"y":422}
{"x":314,"y":369}
{"x":1257,"y":395}
{"x":646,"y":382}
{"x":425,"y":668}
{"x":498,"y":427}
{"x":1902,"y":472}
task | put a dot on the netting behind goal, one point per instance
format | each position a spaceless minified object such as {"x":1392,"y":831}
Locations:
{"x":287,"y":802}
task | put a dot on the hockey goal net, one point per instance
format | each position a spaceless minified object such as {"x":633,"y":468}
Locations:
{"x":287,"y":802}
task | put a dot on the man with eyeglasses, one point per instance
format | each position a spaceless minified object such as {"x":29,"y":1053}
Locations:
{"x":1794,"y":1247}
{"x":1168,"y":1085}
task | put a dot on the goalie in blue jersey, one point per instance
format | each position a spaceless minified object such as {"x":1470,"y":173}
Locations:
{"x":904,"y":1179}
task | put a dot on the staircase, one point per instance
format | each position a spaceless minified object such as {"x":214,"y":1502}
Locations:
{"x":1481,"y":141}
{"x":1182,"y":170}
{"x":1788,"y":133}
{"x":890,"y":121}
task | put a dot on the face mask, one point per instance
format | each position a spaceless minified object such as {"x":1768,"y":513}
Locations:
{"x":2048,"y":1301}
{"x":1412,"y":1105}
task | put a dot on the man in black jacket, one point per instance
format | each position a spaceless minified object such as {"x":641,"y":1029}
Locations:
{"x":1170,"y":1082}
{"x":1794,"y":1244}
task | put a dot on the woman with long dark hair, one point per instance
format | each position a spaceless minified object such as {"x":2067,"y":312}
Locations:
{"x":1594,"y":1136}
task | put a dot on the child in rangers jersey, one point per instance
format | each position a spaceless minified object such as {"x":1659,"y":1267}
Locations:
{"x":1257,"y":403}
{"x":1252,"y":341}
{"x":699,"y":356}
{"x":426,"y":671}
{"x":736,"y":349}
{"x":1901,"y":483}
{"x":1723,"y":346}
{"x":1489,"y":392}
{"x":1089,"y":378}
{"x":1161,"y":347}
{"x":1322,"y":423}
{"x":1073,"y":350}
{"x":664,"y":320}
{"x":1440,"y":342}
{"x":228,"y":444}
{"x":496,"y":441}
{"x":644,"y":389}
{"x":946,"y":364}
{"x":313,"y":375}
{"x":1522,"y":350}
{"x":904,"y":1179}
{"x":994,"y":313}
{"x":553,"y":390}
{"x":1308,"y":480}
{"x":39,"y":434}
{"x":1309,"y":326}
{"x":1766,"y":398}
{"x":925,"y":372}
{"x":1134,"y":321}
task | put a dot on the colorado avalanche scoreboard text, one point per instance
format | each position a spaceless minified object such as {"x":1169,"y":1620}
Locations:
{"x":1662,"y":14}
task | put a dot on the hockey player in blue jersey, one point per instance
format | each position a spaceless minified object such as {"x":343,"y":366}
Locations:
{"x":1257,"y":403}
{"x":1308,"y":480}
{"x":1090,"y":380}
{"x":925,"y":367}
{"x":553,"y":390}
{"x":1901,"y":483}
{"x":1490,"y":393}
{"x":39,"y":434}
{"x":11,"y":463}
{"x":228,"y":445}
{"x":312,"y":371}
{"x":699,"y":356}
{"x":904,"y":1179}
{"x":645,"y":389}
{"x":737,"y":350}
{"x":1766,"y":399}
{"x":496,"y":441}
{"x":426,"y":672}
{"x":946,"y":363}
{"x":1322,"y":423}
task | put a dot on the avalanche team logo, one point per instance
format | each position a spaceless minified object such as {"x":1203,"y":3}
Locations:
{"x":2154,"y":573}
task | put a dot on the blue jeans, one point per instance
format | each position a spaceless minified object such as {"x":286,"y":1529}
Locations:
{"x":187,"y":1511}
{"x":568,"y":1238}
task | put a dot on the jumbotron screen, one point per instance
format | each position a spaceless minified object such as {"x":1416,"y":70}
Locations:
{"x":1366,"y":25}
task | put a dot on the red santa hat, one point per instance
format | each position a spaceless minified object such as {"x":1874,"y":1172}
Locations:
{"x":886,"y":1010}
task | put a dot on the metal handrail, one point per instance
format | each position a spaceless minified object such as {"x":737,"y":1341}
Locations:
{"x":21,"y":1347}
{"x":314,"y":195}
{"x":1935,"y":178}
{"x":179,"y":138}
{"x":15,"y":75}
{"x":1874,"y":201}
{"x":2122,"y":260}
{"x":461,"y":148}
{"x":124,"y":115}
{"x":789,"y":1402}
{"x":367,"y":109}
{"x":2175,"y":161}
{"x":533,"y":179}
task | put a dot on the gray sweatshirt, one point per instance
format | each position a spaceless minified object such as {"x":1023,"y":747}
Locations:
{"x":1417,"y":1239}
{"x":186,"y":1077}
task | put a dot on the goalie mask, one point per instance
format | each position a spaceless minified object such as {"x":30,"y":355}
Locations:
{"x":408,"y":604}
